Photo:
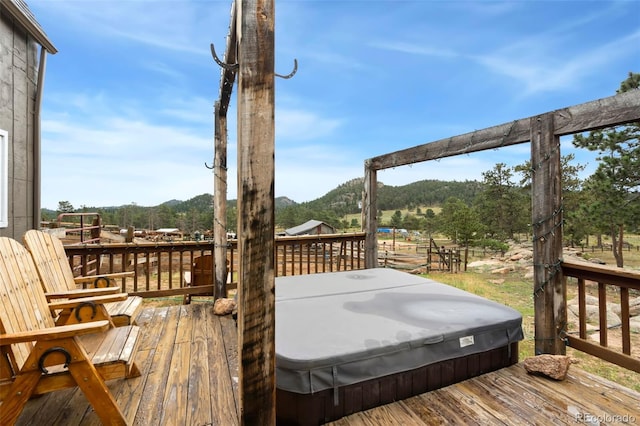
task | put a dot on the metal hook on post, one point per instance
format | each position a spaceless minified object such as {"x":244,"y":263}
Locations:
{"x":229,"y":67}
{"x":207,"y":166}
{"x":295,"y":69}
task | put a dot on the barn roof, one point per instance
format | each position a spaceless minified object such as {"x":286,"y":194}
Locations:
{"x":307,"y":227}
{"x":19,"y":10}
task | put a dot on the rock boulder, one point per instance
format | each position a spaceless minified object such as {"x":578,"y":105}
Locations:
{"x":553,"y":366}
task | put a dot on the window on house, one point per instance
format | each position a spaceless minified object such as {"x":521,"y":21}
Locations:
{"x":4,"y":178}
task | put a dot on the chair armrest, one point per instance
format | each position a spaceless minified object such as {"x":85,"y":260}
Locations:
{"x":61,"y":332}
{"x":106,"y":278}
{"x":98,"y":300}
{"x":83,"y":292}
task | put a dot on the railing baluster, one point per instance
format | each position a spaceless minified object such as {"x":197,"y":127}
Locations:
{"x":624,"y":317}
{"x":316,"y":246}
{"x":170,"y":271}
{"x":331,"y":256}
{"x":324,"y":257}
{"x":582,"y":308}
{"x":181,"y":268}
{"x":602,"y":313}
{"x":284,"y":260}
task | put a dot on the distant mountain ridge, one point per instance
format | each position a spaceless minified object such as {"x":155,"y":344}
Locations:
{"x":349,"y":196}
{"x":345,"y":199}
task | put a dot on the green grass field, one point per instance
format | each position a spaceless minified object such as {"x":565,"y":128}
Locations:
{"x":386,"y":214}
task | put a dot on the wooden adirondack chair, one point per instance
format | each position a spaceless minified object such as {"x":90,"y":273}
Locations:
{"x":39,"y":357}
{"x":201,"y":274}
{"x":57,"y":278}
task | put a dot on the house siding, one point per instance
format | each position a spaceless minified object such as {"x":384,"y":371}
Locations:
{"x":18,"y":80}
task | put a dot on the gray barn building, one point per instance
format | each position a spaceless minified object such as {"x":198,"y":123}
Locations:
{"x":311,"y":227}
{"x":23,"y":48}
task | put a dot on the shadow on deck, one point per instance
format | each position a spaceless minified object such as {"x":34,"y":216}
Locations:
{"x":189,"y":363}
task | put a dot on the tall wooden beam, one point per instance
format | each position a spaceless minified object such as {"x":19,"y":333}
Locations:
{"x":549,"y":292}
{"x":256,"y":205}
{"x":370,"y":216}
{"x":220,"y":202}
{"x":227,"y":78}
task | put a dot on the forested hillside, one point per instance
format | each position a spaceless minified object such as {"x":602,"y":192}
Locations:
{"x":197,"y":213}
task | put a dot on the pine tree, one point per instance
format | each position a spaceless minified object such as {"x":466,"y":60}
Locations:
{"x":614,"y":188}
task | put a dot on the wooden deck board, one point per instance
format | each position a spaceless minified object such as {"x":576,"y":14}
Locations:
{"x":189,"y":363}
{"x":511,"y":396}
{"x":199,"y":410}
{"x":150,"y":409}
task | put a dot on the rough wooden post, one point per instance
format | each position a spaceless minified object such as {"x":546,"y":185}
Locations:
{"x":95,"y":232}
{"x":256,"y":145}
{"x":129,"y":236}
{"x":370,"y":219}
{"x":220,"y":202}
{"x":549,"y":292}
{"x":227,"y":79}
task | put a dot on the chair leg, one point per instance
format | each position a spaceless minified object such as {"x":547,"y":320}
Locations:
{"x":17,"y":397}
{"x":133,"y":371}
{"x":97,"y":393}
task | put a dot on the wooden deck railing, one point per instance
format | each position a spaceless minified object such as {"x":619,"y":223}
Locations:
{"x":159,"y":267}
{"x":610,"y":280}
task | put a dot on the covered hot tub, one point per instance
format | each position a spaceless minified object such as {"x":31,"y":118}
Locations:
{"x":349,"y":341}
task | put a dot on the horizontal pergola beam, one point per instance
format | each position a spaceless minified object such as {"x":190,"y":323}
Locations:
{"x":612,"y":111}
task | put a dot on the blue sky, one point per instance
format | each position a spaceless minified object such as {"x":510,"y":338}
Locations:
{"x":128,"y":101}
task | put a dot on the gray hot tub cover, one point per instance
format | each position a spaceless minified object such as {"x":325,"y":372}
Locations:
{"x":336,"y":329}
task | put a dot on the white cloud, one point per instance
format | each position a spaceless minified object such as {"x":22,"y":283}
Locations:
{"x":116,"y":160}
{"x":108,"y":158}
{"x":416,"y":49}
{"x":539,"y":70}
{"x":169,"y":25}
{"x":300,"y":125}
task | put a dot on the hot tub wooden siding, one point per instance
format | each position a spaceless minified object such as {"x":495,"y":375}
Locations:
{"x":317,"y":408}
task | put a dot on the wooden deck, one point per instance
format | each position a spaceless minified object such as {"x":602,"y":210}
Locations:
{"x":188,"y":359}
{"x":510,"y":396}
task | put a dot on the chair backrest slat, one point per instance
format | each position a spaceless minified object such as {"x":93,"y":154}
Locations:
{"x":51,"y":261}
{"x":202,"y":270}
{"x":23,"y":306}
